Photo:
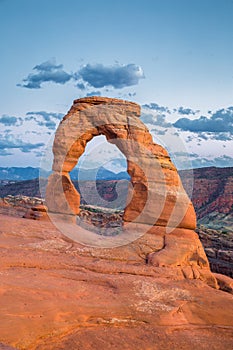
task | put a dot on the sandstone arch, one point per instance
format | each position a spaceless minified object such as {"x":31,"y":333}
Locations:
{"x":151,"y":170}
{"x":160,"y":209}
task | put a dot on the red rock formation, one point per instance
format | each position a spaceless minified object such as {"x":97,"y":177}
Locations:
{"x":38,"y":212}
{"x":158,"y":197}
{"x":225,"y":282}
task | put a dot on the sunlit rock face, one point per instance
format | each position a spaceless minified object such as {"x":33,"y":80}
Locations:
{"x":158,"y":205}
{"x":157,"y":197}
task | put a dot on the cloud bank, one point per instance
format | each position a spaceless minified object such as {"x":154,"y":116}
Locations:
{"x":117,"y":76}
{"x":156,"y":107}
{"x":10,"y":142}
{"x":46,"y":72}
{"x":90,"y":75}
{"x":220,"y":121}
{"x":186,"y":111}
{"x":42,"y":118}
{"x":8,"y":120}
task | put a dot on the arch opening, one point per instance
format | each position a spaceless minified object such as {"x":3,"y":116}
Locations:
{"x":102,"y":180}
{"x":153,"y":176}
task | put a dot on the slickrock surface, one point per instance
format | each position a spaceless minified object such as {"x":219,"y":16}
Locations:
{"x":218,"y":245}
{"x":6,"y":347}
{"x":57,"y":294}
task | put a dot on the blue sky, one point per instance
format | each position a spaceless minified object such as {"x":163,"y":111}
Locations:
{"x":174,"y":57}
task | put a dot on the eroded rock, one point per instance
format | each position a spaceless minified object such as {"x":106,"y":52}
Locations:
{"x":38,"y":212}
{"x":158,"y":199}
{"x":158,"y":196}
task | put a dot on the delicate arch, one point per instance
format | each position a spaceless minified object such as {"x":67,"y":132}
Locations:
{"x":157,"y":189}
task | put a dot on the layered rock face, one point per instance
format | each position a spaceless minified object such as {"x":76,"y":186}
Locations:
{"x":38,"y":212}
{"x":212,"y":196}
{"x":219,"y":249}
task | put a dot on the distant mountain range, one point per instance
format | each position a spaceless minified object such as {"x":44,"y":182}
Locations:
{"x":29,"y":173}
{"x":97,"y":174}
{"x":19,"y":174}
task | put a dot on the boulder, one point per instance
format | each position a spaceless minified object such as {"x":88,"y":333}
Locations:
{"x":38,"y":212}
